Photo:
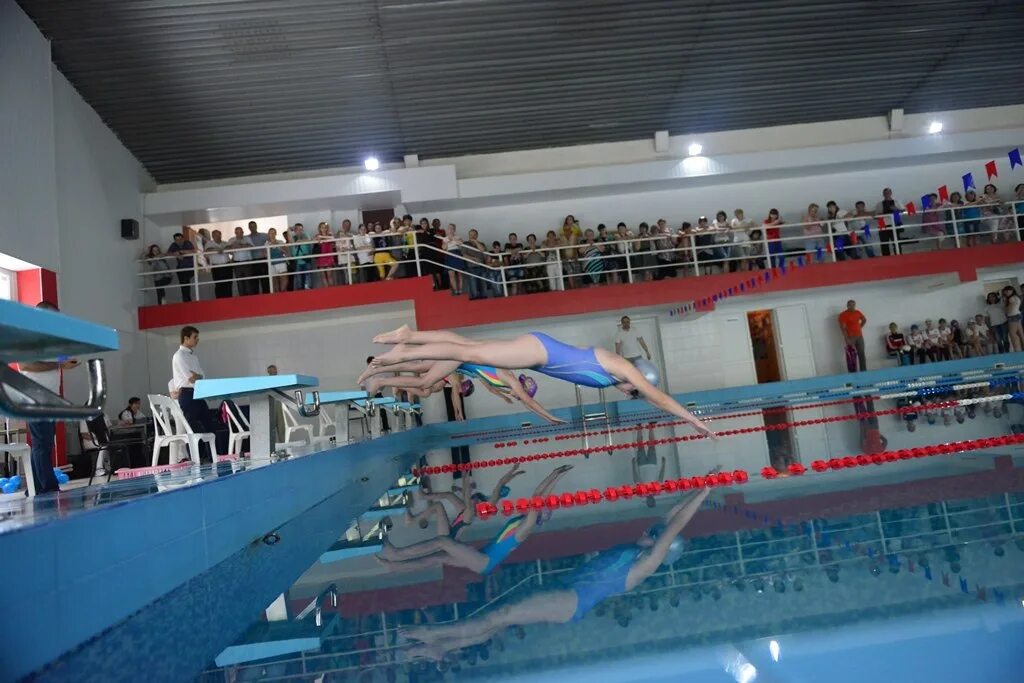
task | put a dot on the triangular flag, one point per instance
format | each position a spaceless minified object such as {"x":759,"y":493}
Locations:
{"x":743,"y":287}
{"x":910,"y":565}
{"x":944,"y":193}
{"x":963,"y":585}
{"x":928,"y":573}
{"x":999,"y":596}
{"x":981,"y":594}
{"x":968,"y":179}
{"x":1014,"y":156}
{"x":881,"y":223}
{"x":990,"y":169}
{"x":911,"y":209}
{"x":926,"y":202}
{"x":820,"y":254}
{"x":867,"y":231}
{"x":897,"y":219}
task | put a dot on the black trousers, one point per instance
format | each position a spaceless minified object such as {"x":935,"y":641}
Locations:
{"x":185,"y":278}
{"x":262,"y":285}
{"x":222,"y":281}
{"x":198,"y":415}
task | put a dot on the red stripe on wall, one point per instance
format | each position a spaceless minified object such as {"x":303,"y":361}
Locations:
{"x":440,"y":310}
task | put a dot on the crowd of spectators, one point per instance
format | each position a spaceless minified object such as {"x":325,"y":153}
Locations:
{"x":996,"y":329}
{"x":572,"y":256}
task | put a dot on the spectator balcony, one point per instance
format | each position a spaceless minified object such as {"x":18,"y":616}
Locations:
{"x":659,"y":269}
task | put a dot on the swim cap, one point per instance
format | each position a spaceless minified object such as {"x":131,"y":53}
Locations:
{"x":530,"y":384}
{"x":675,"y":551}
{"x":648,"y":369}
{"x":505,"y":491}
{"x":467,"y":387}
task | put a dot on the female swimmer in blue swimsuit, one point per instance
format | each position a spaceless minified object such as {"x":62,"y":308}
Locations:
{"x":430,"y":377}
{"x":463,"y":505}
{"x":612,"y":572}
{"x":593,"y":367}
{"x":444,"y":550}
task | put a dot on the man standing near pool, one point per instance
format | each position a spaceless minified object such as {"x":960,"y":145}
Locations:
{"x":628,"y":342}
{"x":851,"y":324}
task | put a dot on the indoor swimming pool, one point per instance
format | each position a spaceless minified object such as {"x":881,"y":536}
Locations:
{"x":848,"y":522}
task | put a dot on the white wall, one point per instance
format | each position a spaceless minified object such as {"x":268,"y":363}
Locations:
{"x":28,"y":215}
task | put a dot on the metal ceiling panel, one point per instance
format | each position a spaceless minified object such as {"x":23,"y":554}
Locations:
{"x":202,"y":89}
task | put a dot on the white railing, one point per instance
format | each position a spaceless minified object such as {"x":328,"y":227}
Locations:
{"x":755,"y":561}
{"x":583,"y":263}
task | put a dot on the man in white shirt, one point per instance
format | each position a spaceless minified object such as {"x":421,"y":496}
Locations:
{"x":243,"y":255}
{"x":628,"y":342}
{"x":645,"y":462}
{"x":185,"y":371}
{"x":45,"y":373}
{"x":260,"y":265}
{"x":220,"y":264}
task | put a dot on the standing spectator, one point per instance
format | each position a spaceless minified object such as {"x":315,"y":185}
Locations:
{"x":1018,"y":209}
{"x":591,"y":256}
{"x":840,"y":231}
{"x":157,"y":265}
{"x":325,"y":254}
{"x":918,"y":346}
{"x":220,"y":265}
{"x":47,"y":374}
{"x":495,"y":259}
{"x":944,"y":348}
{"x":344,"y":248}
{"x":862,"y":227}
{"x":644,"y":260}
{"x":242,"y":252}
{"x":278,"y":266}
{"x":1011,"y":305}
{"x":533,"y":260}
{"x":995,"y":314}
{"x":553,"y":255}
{"x":896,"y":345}
{"x":645,"y":462}
{"x":429,"y":239}
{"x":387,"y":266}
{"x":971,"y":217}
{"x":664,"y":248}
{"x":955,"y":215}
{"x":741,"y":227}
{"x":183,"y":249}
{"x":885,"y":209}
{"x":289,"y":262}
{"x":851,"y":324}
{"x":608,"y":249}
{"x":301,"y":250}
{"x":362,"y":245}
{"x":571,"y":235}
{"x":473,"y":255}
{"x":628,"y":342}
{"x":396,"y":241}
{"x":932,"y":224}
{"x":185,"y":371}
{"x":773,"y":232}
{"x":991,"y":210}
{"x":260,"y":265}
{"x":514,"y":256}
{"x":452,"y":246}
{"x":813,"y":230}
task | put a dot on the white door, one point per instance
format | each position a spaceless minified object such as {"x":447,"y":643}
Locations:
{"x":796,"y":361}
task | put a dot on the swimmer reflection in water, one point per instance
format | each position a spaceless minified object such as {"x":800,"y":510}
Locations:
{"x":443,"y":550}
{"x":463,"y":505}
{"x":613,"y":571}
{"x":431,"y":376}
{"x":593,"y":367}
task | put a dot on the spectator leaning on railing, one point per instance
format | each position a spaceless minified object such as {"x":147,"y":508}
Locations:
{"x":344,"y":248}
{"x":301,"y":250}
{"x":325,"y":253}
{"x":242,"y":253}
{"x":183,"y":250}
{"x":278,"y":264}
{"x":362,"y":245}
{"x":260,"y":265}
{"x":887,"y":235}
{"x":220,"y":266}
{"x":157,"y":265}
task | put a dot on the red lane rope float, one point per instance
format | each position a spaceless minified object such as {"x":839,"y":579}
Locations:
{"x":504,"y":462}
{"x":611,"y":494}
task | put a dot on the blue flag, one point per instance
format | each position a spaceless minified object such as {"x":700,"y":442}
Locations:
{"x":897,"y":219}
{"x":867,"y":231}
{"x":963,"y":585}
{"x":819,"y":253}
{"x":1014,"y":156}
{"x":928,"y":573}
{"x":969,"y":181}
{"x":926,"y":201}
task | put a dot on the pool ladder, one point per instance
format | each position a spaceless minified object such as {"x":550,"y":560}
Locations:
{"x":600,"y":417}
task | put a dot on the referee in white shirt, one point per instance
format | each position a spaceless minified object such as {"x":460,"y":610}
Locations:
{"x":185,"y":370}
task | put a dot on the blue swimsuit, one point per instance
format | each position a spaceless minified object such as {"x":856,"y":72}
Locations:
{"x":601,"y":577}
{"x":573,"y":364}
{"x":502,"y":546}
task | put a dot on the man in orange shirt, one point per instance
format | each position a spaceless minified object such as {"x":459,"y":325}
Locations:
{"x":851,"y":323}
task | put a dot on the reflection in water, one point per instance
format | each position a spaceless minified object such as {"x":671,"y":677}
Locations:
{"x":768,"y":577}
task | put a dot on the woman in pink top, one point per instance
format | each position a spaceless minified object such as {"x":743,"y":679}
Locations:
{"x":933,"y":220}
{"x":813,"y":230}
{"x":324,"y":248}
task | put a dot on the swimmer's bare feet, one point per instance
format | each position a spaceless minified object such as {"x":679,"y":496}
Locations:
{"x":422,"y":634}
{"x":371,"y":386}
{"x":389,"y":358}
{"x":402,"y":334}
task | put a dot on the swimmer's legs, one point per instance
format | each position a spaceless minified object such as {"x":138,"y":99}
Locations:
{"x":404,"y":335}
{"x":458,"y":554}
{"x":554,"y":607}
{"x":525,"y":351}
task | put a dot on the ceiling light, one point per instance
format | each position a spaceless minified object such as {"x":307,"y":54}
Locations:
{"x":773,"y":649}
{"x":935,"y":127}
{"x":371,"y":164}
{"x":694,"y":149}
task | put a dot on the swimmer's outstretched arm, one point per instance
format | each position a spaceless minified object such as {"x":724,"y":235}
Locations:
{"x":623,"y":369}
{"x":517,"y":388}
{"x":525,"y":351}
{"x":543,"y":489}
{"x":420,"y":366}
{"x":675,"y":521}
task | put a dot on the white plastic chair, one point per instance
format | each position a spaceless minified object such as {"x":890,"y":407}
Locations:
{"x":328,"y":428}
{"x":22,"y":454}
{"x":173,"y":430}
{"x":294,"y":427}
{"x":238,"y":428}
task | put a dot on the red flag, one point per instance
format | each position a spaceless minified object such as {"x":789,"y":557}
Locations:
{"x":944,"y":193}
{"x":881,"y":223}
{"x":911,"y":209}
{"x":990,"y":168}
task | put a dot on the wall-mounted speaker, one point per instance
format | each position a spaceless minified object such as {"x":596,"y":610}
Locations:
{"x":129,"y":229}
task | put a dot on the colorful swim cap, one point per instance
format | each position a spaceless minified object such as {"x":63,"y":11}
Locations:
{"x":675,"y":551}
{"x":467,"y":387}
{"x":530,"y":384}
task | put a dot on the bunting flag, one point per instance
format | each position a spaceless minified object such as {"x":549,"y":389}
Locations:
{"x":926,"y":202}
{"x":998,"y":593}
{"x":944,"y":193}
{"x":800,"y":261}
{"x":969,"y":181}
{"x":910,"y":565}
{"x":981,"y":594}
{"x":820,"y":254}
{"x":963,"y":586}
{"x":881,"y":223}
{"x":867,"y":231}
{"x":928,"y":573}
{"x":911,"y":209}
{"x":990,"y":169}
{"x":897,"y":219}
{"x":1014,"y":156}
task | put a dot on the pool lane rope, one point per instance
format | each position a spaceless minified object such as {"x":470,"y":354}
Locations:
{"x":611,"y":494}
{"x":609,"y":448}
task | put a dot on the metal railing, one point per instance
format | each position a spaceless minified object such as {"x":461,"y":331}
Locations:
{"x":759,"y":557}
{"x":614,"y":259}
